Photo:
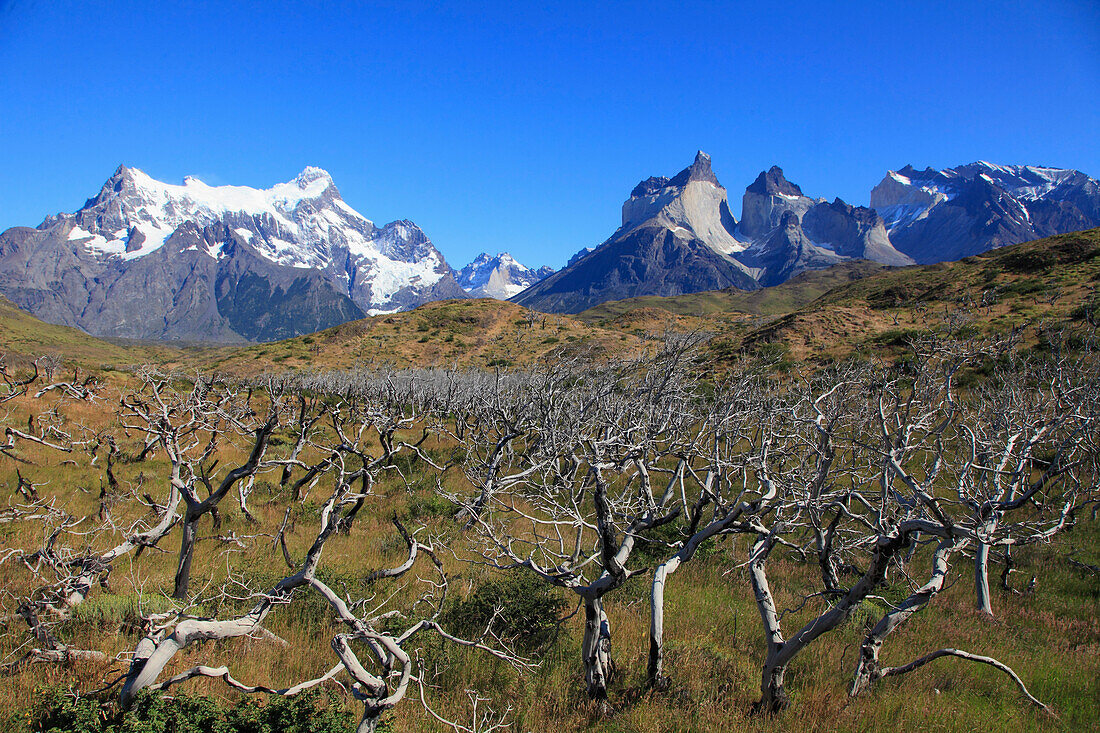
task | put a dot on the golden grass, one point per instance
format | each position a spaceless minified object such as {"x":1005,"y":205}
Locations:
{"x":715,"y":646}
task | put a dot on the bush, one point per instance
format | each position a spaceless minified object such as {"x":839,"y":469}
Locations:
{"x":430,"y":505}
{"x":57,"y":711}
{"x":1034,"y":260}
{"x":529,"y":611}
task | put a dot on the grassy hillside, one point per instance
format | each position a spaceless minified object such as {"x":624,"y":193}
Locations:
{"x":795,"y":293}
{"x":1049,"y":283}
{"x":23,"y":337}
{"x":1049,"y":634}
{"x":817,"y":317}
{"x":467,"y":333}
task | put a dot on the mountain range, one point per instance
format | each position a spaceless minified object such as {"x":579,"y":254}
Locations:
{"x":679,"y":235}
{"x":934,"y":216}
{"x":149,"y":260}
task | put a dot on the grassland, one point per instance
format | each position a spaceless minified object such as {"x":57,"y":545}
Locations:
{"x":1050,"y":635}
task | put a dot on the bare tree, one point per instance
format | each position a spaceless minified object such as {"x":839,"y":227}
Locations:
{"x":575,"y":519}
{"x":188,"y":424}
{"x":378,"y":691}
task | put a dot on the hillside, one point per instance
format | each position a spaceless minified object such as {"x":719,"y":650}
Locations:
{"x":817,"y":316}
{"x":777,"y":300}
{"x":714,"y":647}
{"x":466,"y":333}
{"x":22,"y":336}
{"x":1049,"y":282}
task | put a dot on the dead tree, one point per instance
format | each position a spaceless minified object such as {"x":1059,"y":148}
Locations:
{"x":1013,"y":462}
{"x":188,"y":424}
{"x":735,"y":431}
{"x":379,"y":690}
{"x":618,"y":440}
{"x":929,"y":460}
{"x":1032,"y":420}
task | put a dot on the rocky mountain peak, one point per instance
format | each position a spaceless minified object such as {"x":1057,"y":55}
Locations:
{"x":699,"y":170}
{"x":121,"y":180}
{"x":498,"y":276}
{"x":766,"y":200}
{"x":772,"y":181}
{"x":312,"y":173}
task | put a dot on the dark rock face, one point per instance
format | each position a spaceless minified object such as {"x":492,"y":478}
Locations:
{"x":649,"y":186}
{"x":786,"y":252}
{"x":934,"y":216}
{"x":148,"y":260}
{"x":699,"y":170}
{"x":852,"y":231}
{"x":766,"y":200}
{"x":644,"y":261}
{"x":773,"y":181}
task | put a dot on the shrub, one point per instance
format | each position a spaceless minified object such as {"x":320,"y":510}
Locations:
{"x":57,"y":711}
{"x":529,"y":611}
{"x":430,"y":505}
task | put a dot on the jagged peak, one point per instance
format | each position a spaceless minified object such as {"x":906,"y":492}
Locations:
{"x":773,"y":181}
{"x":699,"y":170}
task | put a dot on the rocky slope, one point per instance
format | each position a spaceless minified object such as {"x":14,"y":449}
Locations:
{"x":939,"y":215}
{"x":792,"y":233}
{"x":499,"y":276}
{"x":150,"y":260}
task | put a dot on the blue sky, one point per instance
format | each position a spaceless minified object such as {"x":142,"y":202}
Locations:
{"x":522,"y":127}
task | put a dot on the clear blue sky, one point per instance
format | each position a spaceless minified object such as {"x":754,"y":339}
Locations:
{"x":502,"y":126}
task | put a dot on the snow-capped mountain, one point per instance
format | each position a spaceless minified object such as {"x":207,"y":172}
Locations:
{"x":679,"y":236}
{"x":937,"y":215}
{"x":499,"y":276}
{"x":147,"y":259}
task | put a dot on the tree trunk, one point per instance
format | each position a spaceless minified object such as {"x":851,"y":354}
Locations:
{"x":372,"y":717}
{"x":596,"y":649}
{"x":773,"y":697}
{"x":981,"y":574}
{"x":868,"y":668}
{"x":187,"y":551}
{"x":655,"y":677}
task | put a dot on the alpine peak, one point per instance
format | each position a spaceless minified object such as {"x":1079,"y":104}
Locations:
{"x":773,"y":181}
{"x":699,"y":170}
{"x":311,"y":174}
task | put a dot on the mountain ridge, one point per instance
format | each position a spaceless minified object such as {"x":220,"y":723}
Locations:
{"x":151,"y":260}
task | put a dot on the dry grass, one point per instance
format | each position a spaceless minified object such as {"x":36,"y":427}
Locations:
{"x":715,"y":647}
